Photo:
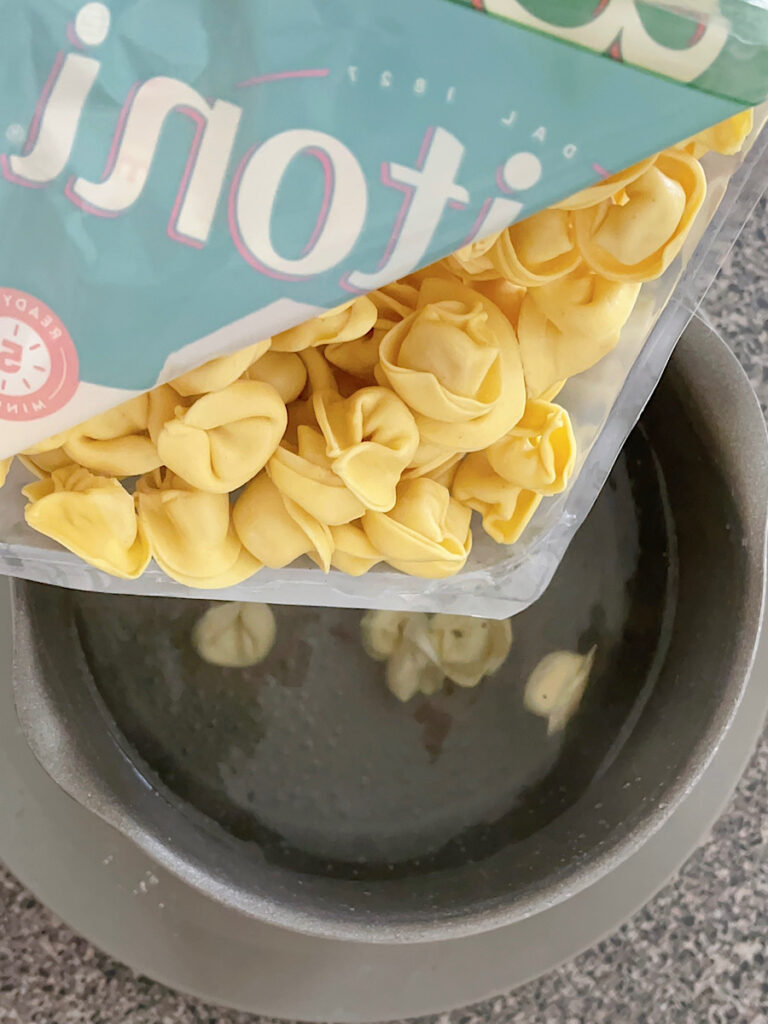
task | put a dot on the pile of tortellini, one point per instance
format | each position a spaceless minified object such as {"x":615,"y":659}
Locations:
{"x":372,"y":432}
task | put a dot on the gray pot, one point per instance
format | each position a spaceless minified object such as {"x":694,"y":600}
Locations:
{"x":300,"y":793}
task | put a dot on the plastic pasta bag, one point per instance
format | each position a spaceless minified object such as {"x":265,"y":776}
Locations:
{"x":214,"y":210}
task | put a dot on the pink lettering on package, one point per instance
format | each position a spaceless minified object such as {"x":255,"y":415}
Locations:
{"x":38,"y":360}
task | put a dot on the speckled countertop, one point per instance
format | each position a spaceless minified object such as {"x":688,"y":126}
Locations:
{"x":697,"y":953}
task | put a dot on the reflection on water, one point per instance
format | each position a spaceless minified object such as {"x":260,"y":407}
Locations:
{"x":309,"y":755}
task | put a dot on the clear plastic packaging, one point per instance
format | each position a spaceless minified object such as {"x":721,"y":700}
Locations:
{"x":604,"y":402}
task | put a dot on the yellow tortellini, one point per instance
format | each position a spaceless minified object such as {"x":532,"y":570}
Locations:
{"x":284,"y":371}
{"x":506,"y":509}
{"x":568,"y":326}
{"x":472,"y":262}
{"x":359,"y":357}
{"x":305,"y":475}
{"x":219,"y":373}
{"x":353,"y":552}
{"x":727,"y":137}
{"x":277,"y":531}
{"x":235,"y":634}
{"x":638,"y":239}
{"x":540,"y":452}
{"x":344,"y":323}
{"x":469,"y":649}
{"x":5,"y":465}
{"x":370,"y":438}
{"x":117,"y":443}
{"x":609,"y":188}
{"x":93,"y":516}
{"x":426,"y":534}
{"x":556,"y":685}
{"x":456,"y":363}
{"x":222,"y":440}
{"x":537,"y":250}
{"x":191,"y":534}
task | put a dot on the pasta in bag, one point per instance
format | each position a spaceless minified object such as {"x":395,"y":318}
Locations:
{"x":388,"y":352}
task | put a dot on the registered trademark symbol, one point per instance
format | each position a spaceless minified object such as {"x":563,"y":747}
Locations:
{"x":15,"y":133}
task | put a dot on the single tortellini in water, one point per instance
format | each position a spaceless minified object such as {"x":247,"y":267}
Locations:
{"x":284,"y":371}
{"x":221,"y":372}
{"x":225,"y":438}
{"x":468,"y":649}
{"x":456,"y":363}
{"x":116,"y":443}
{"x":426,"y":534}
{"x":344,"y":323}
{"x":506,"y":509}
{"x":556,"y":686}
{"x":540,"y":452}
{"x":370,"y":438}
{"x":5,"y":465}
{"x":304,"y":473}
{"x":276,"y":530}
{"x":235,"y":634}
{"x":537,"y":250}
{"x":191,"y":534}
{"x":360,"y":356}
{"x":568,"y":326}
{"x":638,"y":239}
{"x":92,"y":516}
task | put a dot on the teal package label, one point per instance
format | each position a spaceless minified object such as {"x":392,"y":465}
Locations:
{"x":720,"y":46}
{"x":182,"y":177}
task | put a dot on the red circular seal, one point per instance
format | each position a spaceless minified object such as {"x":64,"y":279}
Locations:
{"x":38,"y":359}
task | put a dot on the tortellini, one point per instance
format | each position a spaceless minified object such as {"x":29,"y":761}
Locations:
{"x":567,"y":326}
{"x":344,"y":323}
{"x":277,"y":531}
{"x":191,"y":534}
{"x":117,"y":443}
{"x":305,"y":475}
{"x":638,"y":239}
{"x":223,"y":439}
{"x":468,"y":649}
{"x":284,"y":371}
{"x":426,"y":534}
{"x":456,"y":363}
{"x":727,"y":137}
{"x":5,"y":465}
{"x":540,"y":452}
{"x":93,"y":516}
{"x":506,"y":509}
{"x":538,"y":250}
{"x":556,"y":685}
{"x":235,"y":634}
{"x":370,"y":438}
{"x":219,"y":373}
{"x":360,"y":357}
{"x":472,"y":262}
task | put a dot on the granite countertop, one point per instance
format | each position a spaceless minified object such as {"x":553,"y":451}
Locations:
{"x":696,"y":953}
